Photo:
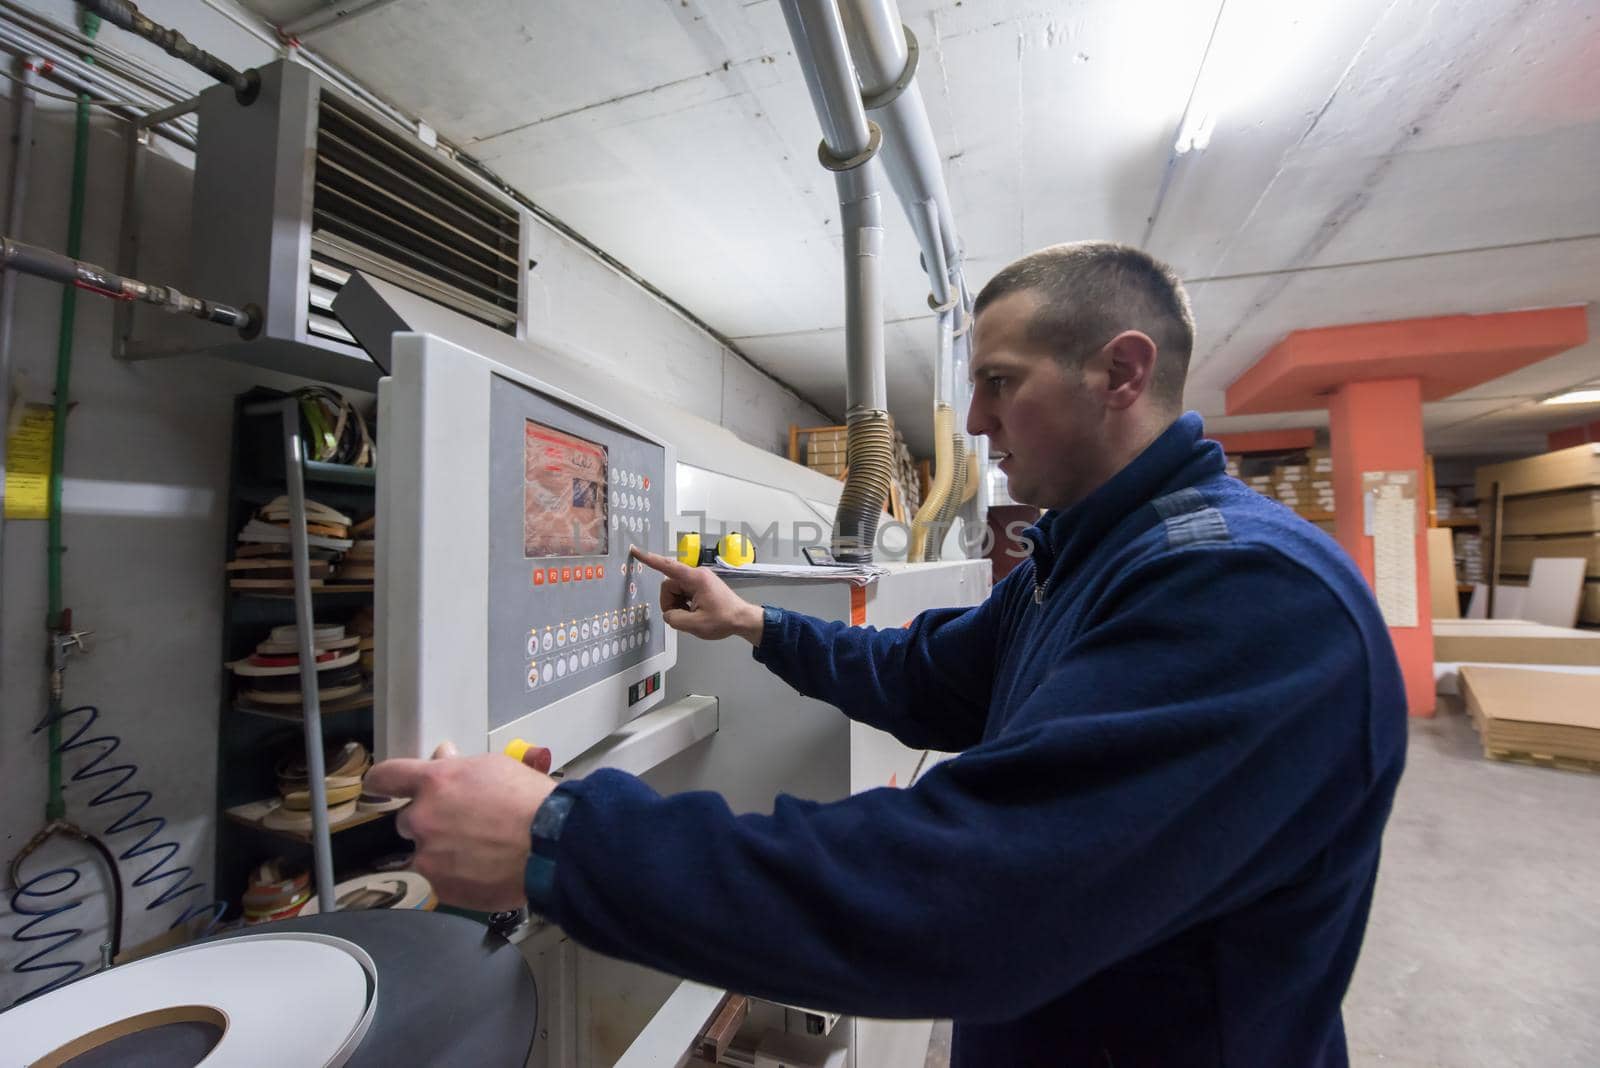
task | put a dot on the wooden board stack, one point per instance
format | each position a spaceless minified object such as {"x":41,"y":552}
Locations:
{"x":1550,"y":508}
{"x":1545,"y":717}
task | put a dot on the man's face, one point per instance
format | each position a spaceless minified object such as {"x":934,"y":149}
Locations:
{"x":1033,"y":408}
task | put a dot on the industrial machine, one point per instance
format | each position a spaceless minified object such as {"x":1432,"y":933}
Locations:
{"x":513,"y":481}
{"x":507,"y":609}
{"x":507,"y":605}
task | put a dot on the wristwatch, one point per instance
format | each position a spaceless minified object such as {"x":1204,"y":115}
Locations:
{"x":539,"y":874}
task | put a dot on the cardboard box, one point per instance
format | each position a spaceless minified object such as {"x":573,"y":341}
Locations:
{"x":1510,"y":641}
{"x":1575,"y":511}
{"x":1517,"y":554}
{"x":1574,"y":468}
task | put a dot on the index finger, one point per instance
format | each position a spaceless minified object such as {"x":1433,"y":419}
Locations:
{"x":664,"y":564}
{"x":402,"y":777}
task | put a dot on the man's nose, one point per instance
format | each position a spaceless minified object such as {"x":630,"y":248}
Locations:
{"x":979,"y":421}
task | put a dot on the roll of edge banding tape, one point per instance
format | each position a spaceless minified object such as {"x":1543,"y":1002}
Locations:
{"x":245,"y":986}
{"x":381,"y":890}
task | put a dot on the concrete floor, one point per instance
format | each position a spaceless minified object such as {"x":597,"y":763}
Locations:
{"x":1484,"y":944}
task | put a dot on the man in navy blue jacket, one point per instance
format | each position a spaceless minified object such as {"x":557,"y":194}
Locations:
{"x":1180,"y":727}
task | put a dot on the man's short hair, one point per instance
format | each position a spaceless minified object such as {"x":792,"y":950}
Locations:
{"x":1090,"y":291}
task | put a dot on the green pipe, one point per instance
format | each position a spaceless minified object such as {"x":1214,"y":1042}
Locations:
{"x":55,"y":805}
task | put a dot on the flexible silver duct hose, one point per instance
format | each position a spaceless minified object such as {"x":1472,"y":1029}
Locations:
{"x":869,"y":452}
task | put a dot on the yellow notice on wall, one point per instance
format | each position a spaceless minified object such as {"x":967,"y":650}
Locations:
{"x":28,"y":464}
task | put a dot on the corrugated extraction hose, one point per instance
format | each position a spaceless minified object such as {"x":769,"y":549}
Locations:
{"x":869,"y":453}
{"x":944,"y":425}
{"x":953,"y":498}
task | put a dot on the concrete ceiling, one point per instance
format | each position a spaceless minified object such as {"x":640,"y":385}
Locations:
{"x":1372,"y":159}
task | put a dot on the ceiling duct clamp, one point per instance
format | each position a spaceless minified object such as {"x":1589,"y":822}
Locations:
{"x":885,"y":97}
{"x":834,"y":163}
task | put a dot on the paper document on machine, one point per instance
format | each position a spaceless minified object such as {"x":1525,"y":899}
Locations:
{"x":855,"y":574}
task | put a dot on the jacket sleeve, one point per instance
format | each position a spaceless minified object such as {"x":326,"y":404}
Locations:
{"x":1170,"y":769}
{"x":928,"y":683}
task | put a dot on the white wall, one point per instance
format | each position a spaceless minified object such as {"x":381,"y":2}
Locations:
{"x":147,"y":469}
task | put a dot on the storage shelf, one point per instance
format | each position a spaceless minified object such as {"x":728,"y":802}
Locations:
{"x":340,"y":474}
{"x":252,"y":814}
{"x":293,"y":713}
{"x":318,"y":591}
{"x":1459,"y":522}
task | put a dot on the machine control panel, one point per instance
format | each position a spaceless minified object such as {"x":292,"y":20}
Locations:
{"x":568,"y":607}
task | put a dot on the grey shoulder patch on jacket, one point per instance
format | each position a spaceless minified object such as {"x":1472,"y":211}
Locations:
{"x":1189,"y":519}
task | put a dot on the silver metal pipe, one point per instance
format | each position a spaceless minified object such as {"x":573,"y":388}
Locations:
{"x":165,"y":115}
{"x":69,"y":38}
{"x":880,"y":47}
{"x":21,"y":160}
{"x":861,"y":212}
{"x":849,"y":142}
{"x":305,"y":626}
{"x":43,"y":263}
{"x":81,"y":78}
{"x":944,"y":387}
{"x":824,"y":56}
{"x":126,"y":14}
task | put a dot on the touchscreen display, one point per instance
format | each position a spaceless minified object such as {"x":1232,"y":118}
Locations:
{"x":563,"y":494}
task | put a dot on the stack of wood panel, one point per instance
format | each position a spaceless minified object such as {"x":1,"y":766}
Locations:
{"x":1544,"y":716}
{"x":1550,"y":507}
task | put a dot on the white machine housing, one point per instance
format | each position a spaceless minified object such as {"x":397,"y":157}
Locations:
{"x":450,"y":667}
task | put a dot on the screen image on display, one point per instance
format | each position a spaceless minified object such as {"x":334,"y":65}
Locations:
{"x":563,"y":494}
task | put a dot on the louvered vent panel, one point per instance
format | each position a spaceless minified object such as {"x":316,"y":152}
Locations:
{"x":376,"y":207}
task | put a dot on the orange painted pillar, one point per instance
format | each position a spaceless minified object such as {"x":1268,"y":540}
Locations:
{"x":1377,"y":426}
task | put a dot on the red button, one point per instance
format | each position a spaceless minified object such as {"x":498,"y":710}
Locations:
{"x":553,"y":576}
{"x":588,"y":572}
{"x":647,"y":483}
{"x":538,"y":576}
{"x":566,"y":574}
{"x":600,"y":571}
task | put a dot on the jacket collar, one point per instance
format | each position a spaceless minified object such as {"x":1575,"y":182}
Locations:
{"x":1179,"y":457}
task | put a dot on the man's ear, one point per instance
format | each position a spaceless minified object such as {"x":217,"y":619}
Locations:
{"x":1130,"y":365}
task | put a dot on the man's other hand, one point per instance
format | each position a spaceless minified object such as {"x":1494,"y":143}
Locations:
{"x":469,"y":817}
{"x":695,"y":601}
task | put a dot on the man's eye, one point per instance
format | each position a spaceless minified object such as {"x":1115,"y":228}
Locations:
{"x":996,"y":382}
